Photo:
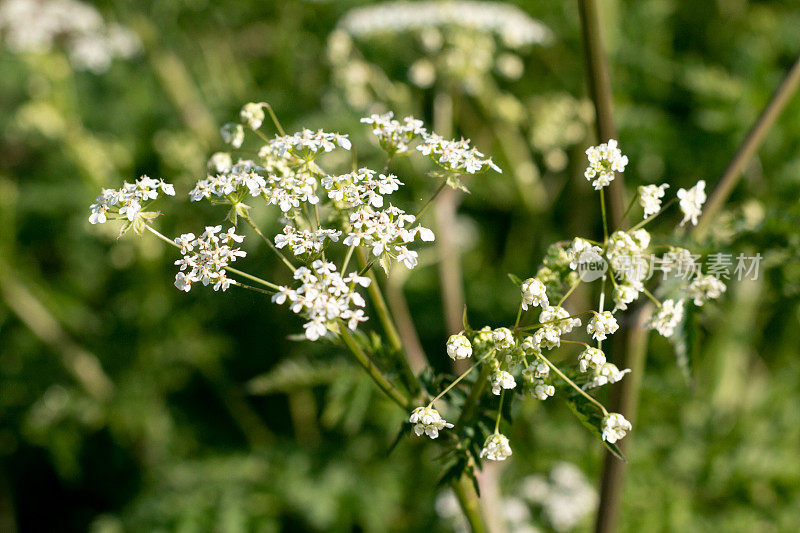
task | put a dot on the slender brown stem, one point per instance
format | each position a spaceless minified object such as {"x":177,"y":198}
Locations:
{"x":600,"y":89}
{"x":749,"y":147}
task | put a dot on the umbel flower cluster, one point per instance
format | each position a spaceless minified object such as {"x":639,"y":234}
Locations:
{"x":323,"y":215}
{"x":458,"y":42}
{"x":516,"y":360}
{"x":337,"y":230}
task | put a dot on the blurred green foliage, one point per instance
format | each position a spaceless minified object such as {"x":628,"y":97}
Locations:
{"x":126,"y":405}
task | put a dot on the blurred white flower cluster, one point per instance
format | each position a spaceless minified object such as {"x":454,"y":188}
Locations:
{"x":39,"y":26}
{"x":518,"y":354}
{"x":443,"y":41}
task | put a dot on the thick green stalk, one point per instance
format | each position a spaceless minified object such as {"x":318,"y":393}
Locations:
{"x":374,"y":372}
{"x":470,"y":504}
{"x":385,"y":318}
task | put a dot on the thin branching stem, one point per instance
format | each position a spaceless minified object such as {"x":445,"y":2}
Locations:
{"x":268,"y":242}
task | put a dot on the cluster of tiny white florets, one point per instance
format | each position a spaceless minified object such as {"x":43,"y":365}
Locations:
{"x":496,"y":448}
{"x":206,"y":257}
{"x":33,"y":26}
{"x":307,"y":144}
{"x":615,"y":427}
{"x":459,"y":347}
{"x":536,"y":374}
{"x":386,"y":232}
{"x":604,"y":161}
{"x":323,"y":297}
{"x":128,"y":201}
{"x":626,"y":292}
{"x":691,"y":202}
{"x":579,"y":250}
{"x":650,"y":198}
{"x":534,"y":293}
{"x":395,"y":136}
{"x":556,"y":322}
{"x":428,"y":421}
{"x":304,"y":241}
{"x":508,"y":22}
{"x":705,"y":287}
{"x":361,"y":187}
{"x":501,"y":380}
{"x":667,"y":317}
{"x":601,"y":325}
{"x":455,"y":156}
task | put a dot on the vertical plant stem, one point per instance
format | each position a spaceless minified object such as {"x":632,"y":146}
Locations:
{"x":386,"y":320}
{"x":374,"y":372}
{"x":600,"y":90}
{"x":749,"y":147}
{"x":625,"y":402}
{"x":450,"y":274}
{"x":469,"y":502}
{"x":405,"y":325}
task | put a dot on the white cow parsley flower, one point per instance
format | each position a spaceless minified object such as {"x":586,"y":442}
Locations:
{"x":206,"y":257}
{"x":128,"y":201}
{"x":428,"y":421}
{"x":534,"y":293}
{"x":502,"y":338}
{"x":496,"y":448}
{"x":601,"y":325}
{"x":604,"y":160}
{"x":668,"y":317}
{"x":590,"y":359}
{"x":361,"y":187}
{"x":691,"y":202}
{"x":458,"y":347}
{"x":307,"y":144}
{"x":559,"y":318}
{"x":578,"y":248}
{"x":324,"y":296}
{"x":394,"y":136}
{"x":243,"y":177}
{"x":253,"y":115}
{"x":232,"y":134}
{"x":704,"y":288}
{"x":455,"y":156}
{"x":625,"y":293}
{"x":386,"y":233}
{"x":501,"y":380}
{"x":650,"y":198}
{"x":606,"y":373}
{"x":537,"y":387}
{"x":304,"y":242}
{"x":615,"y":427}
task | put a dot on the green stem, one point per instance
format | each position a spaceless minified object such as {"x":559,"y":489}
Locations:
{"x":499,"y":411}
{"x":459,"y":378}
{"x":571,"y":289}
{"x":252,"y":278}
{"x":468,"y":407}
{"x":385,"y":318}
{"x":274,"y":118}
{"x":651,"y":217}
{"x":269,"y":244}
{"x":469,"y":502}
{"x":603,"y":211}
{"x":573,"y":385}
{"x":374,"y":372}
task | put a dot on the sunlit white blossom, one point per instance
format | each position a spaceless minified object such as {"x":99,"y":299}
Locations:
{"x":601,"y":325}
{"x":590,"y":359}
{"x":128,"y":201}
{"x":604,"y":160}
{"x":323,"y":296}
{"x":615,"y":427}
{"x":691,"y":202}
{"x":206,"y":257}
{"x":704,"y":288}
{"x":667,"y":318}
{"x":605,"y":374}
{"x":455,"y":156}
{"x":304,"y":241}
{"x":458,"y":347}
{"x":306,"y":144}
{"x":428,"y":421}
{"x":650,"y":198}
{"x":496,"y":448}
{"x":501,"y":380}
{"x":395,"y":136}
{"x":534,"y":293}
